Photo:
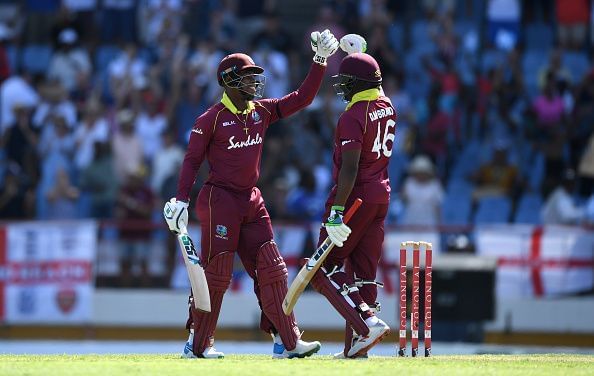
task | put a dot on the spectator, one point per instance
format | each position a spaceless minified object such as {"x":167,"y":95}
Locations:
{"x":134,"y":207}
{"x":305,"y":202}
{"x":550,"y":127}
{"x":126,"y":71}
{"x":56,"y":138}
{"x":15,"y":91}
{"x":16,"y":199}
{"x":20,"y":142}
{"x":422,"y":193}
{"x":572,"y":22}
{"x":69,"y":64}
{"x":54,"y":102}
{"x":92,"y":128}
{"x":559,"y":207}
{"x":189,"y":102}
{"x":555,"y":69}
{"x":96,"y":182}
{"x":497,"y":177}
{"x":166,"y":160}
{"x":161,"y":21}
{"x":62,"y":197}
{"x":150,"y":123}
{"x":127,"y":146}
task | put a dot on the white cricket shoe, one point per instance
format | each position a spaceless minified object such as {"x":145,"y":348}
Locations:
{"x":302,"y":350}
{"x":209,"y":353}
{"x":362,"y":344}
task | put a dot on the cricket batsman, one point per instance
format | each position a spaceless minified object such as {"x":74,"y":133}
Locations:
{"x":362,"y":147}
{"x":232,"y":213}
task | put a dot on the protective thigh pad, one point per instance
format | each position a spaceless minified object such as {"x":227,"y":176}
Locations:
{"x":341,"y":292}
{"x":272,"y":280}
{"x":218,"y":275}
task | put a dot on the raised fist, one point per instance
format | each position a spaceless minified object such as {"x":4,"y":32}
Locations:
{"x":352,"y":43}
{"x":324,"y":44}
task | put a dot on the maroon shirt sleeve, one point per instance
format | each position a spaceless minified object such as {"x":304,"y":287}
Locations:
{"x":289,"y":104}
{"x":349,"y":131}
{"x":199,"y":140}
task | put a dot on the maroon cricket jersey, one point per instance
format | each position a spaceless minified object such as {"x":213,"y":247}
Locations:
{"x":368,"y":124}
{"x":232,"y":141}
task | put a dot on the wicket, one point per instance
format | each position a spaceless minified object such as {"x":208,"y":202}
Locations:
{"x":414,"y":315}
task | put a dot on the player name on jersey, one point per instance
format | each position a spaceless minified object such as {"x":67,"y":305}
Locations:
{"x":242,"y":144}
{"x":381,"y":113}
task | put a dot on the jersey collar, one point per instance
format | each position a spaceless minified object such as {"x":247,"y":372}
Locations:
{"x":365,"y":95}
{"x":226,"y":101}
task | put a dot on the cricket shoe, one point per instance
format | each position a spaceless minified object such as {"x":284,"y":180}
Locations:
{"x":209,"y":353}
{"x":362,"y":344}
{"x":302,"y":350}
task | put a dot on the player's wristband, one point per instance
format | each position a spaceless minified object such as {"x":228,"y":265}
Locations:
{"x":337,"y":208}
{"x":319,"y":59}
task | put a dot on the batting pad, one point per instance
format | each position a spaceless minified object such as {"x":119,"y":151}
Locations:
{"x":348,"y":305}
{"x":272,"y":280}
{"x":218,"y":274}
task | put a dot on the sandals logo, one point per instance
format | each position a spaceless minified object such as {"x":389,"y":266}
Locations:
{"x":242,"y":144}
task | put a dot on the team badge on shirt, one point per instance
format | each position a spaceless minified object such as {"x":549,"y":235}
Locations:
{"x":222,"y":232}
{"x":256,"y":117}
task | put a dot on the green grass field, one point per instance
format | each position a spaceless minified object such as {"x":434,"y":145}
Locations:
{"x":128,"y":365}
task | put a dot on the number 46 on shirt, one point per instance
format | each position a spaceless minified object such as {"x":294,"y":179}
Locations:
{"x":380,"y":144}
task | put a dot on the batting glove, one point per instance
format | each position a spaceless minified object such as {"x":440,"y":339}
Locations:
{"x":324,"y":44}
{"x":337,"y":231}
{"x":176,"y":215}
{"x":352,"y":43}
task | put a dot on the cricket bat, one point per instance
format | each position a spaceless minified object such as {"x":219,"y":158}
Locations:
{"x":311,"y":267}
{"x":195,"y":272}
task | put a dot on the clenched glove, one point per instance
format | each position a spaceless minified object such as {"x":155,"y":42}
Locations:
{"x":176,"y":215}
{"x":324,"y":44}
{"x":337,"y":231}
{"x":352,"y":43}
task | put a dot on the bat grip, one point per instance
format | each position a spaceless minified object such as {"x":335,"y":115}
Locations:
{"x":352,"y":210}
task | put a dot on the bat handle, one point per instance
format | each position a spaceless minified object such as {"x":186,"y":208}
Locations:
{"x":352,"y":210}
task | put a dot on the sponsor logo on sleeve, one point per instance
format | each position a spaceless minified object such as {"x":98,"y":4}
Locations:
{"x":221,"y":232}
{"x":344,"y":142}
{"x":197,"y":130}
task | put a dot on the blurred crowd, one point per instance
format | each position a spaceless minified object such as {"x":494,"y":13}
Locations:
{"x":495,"y":102}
